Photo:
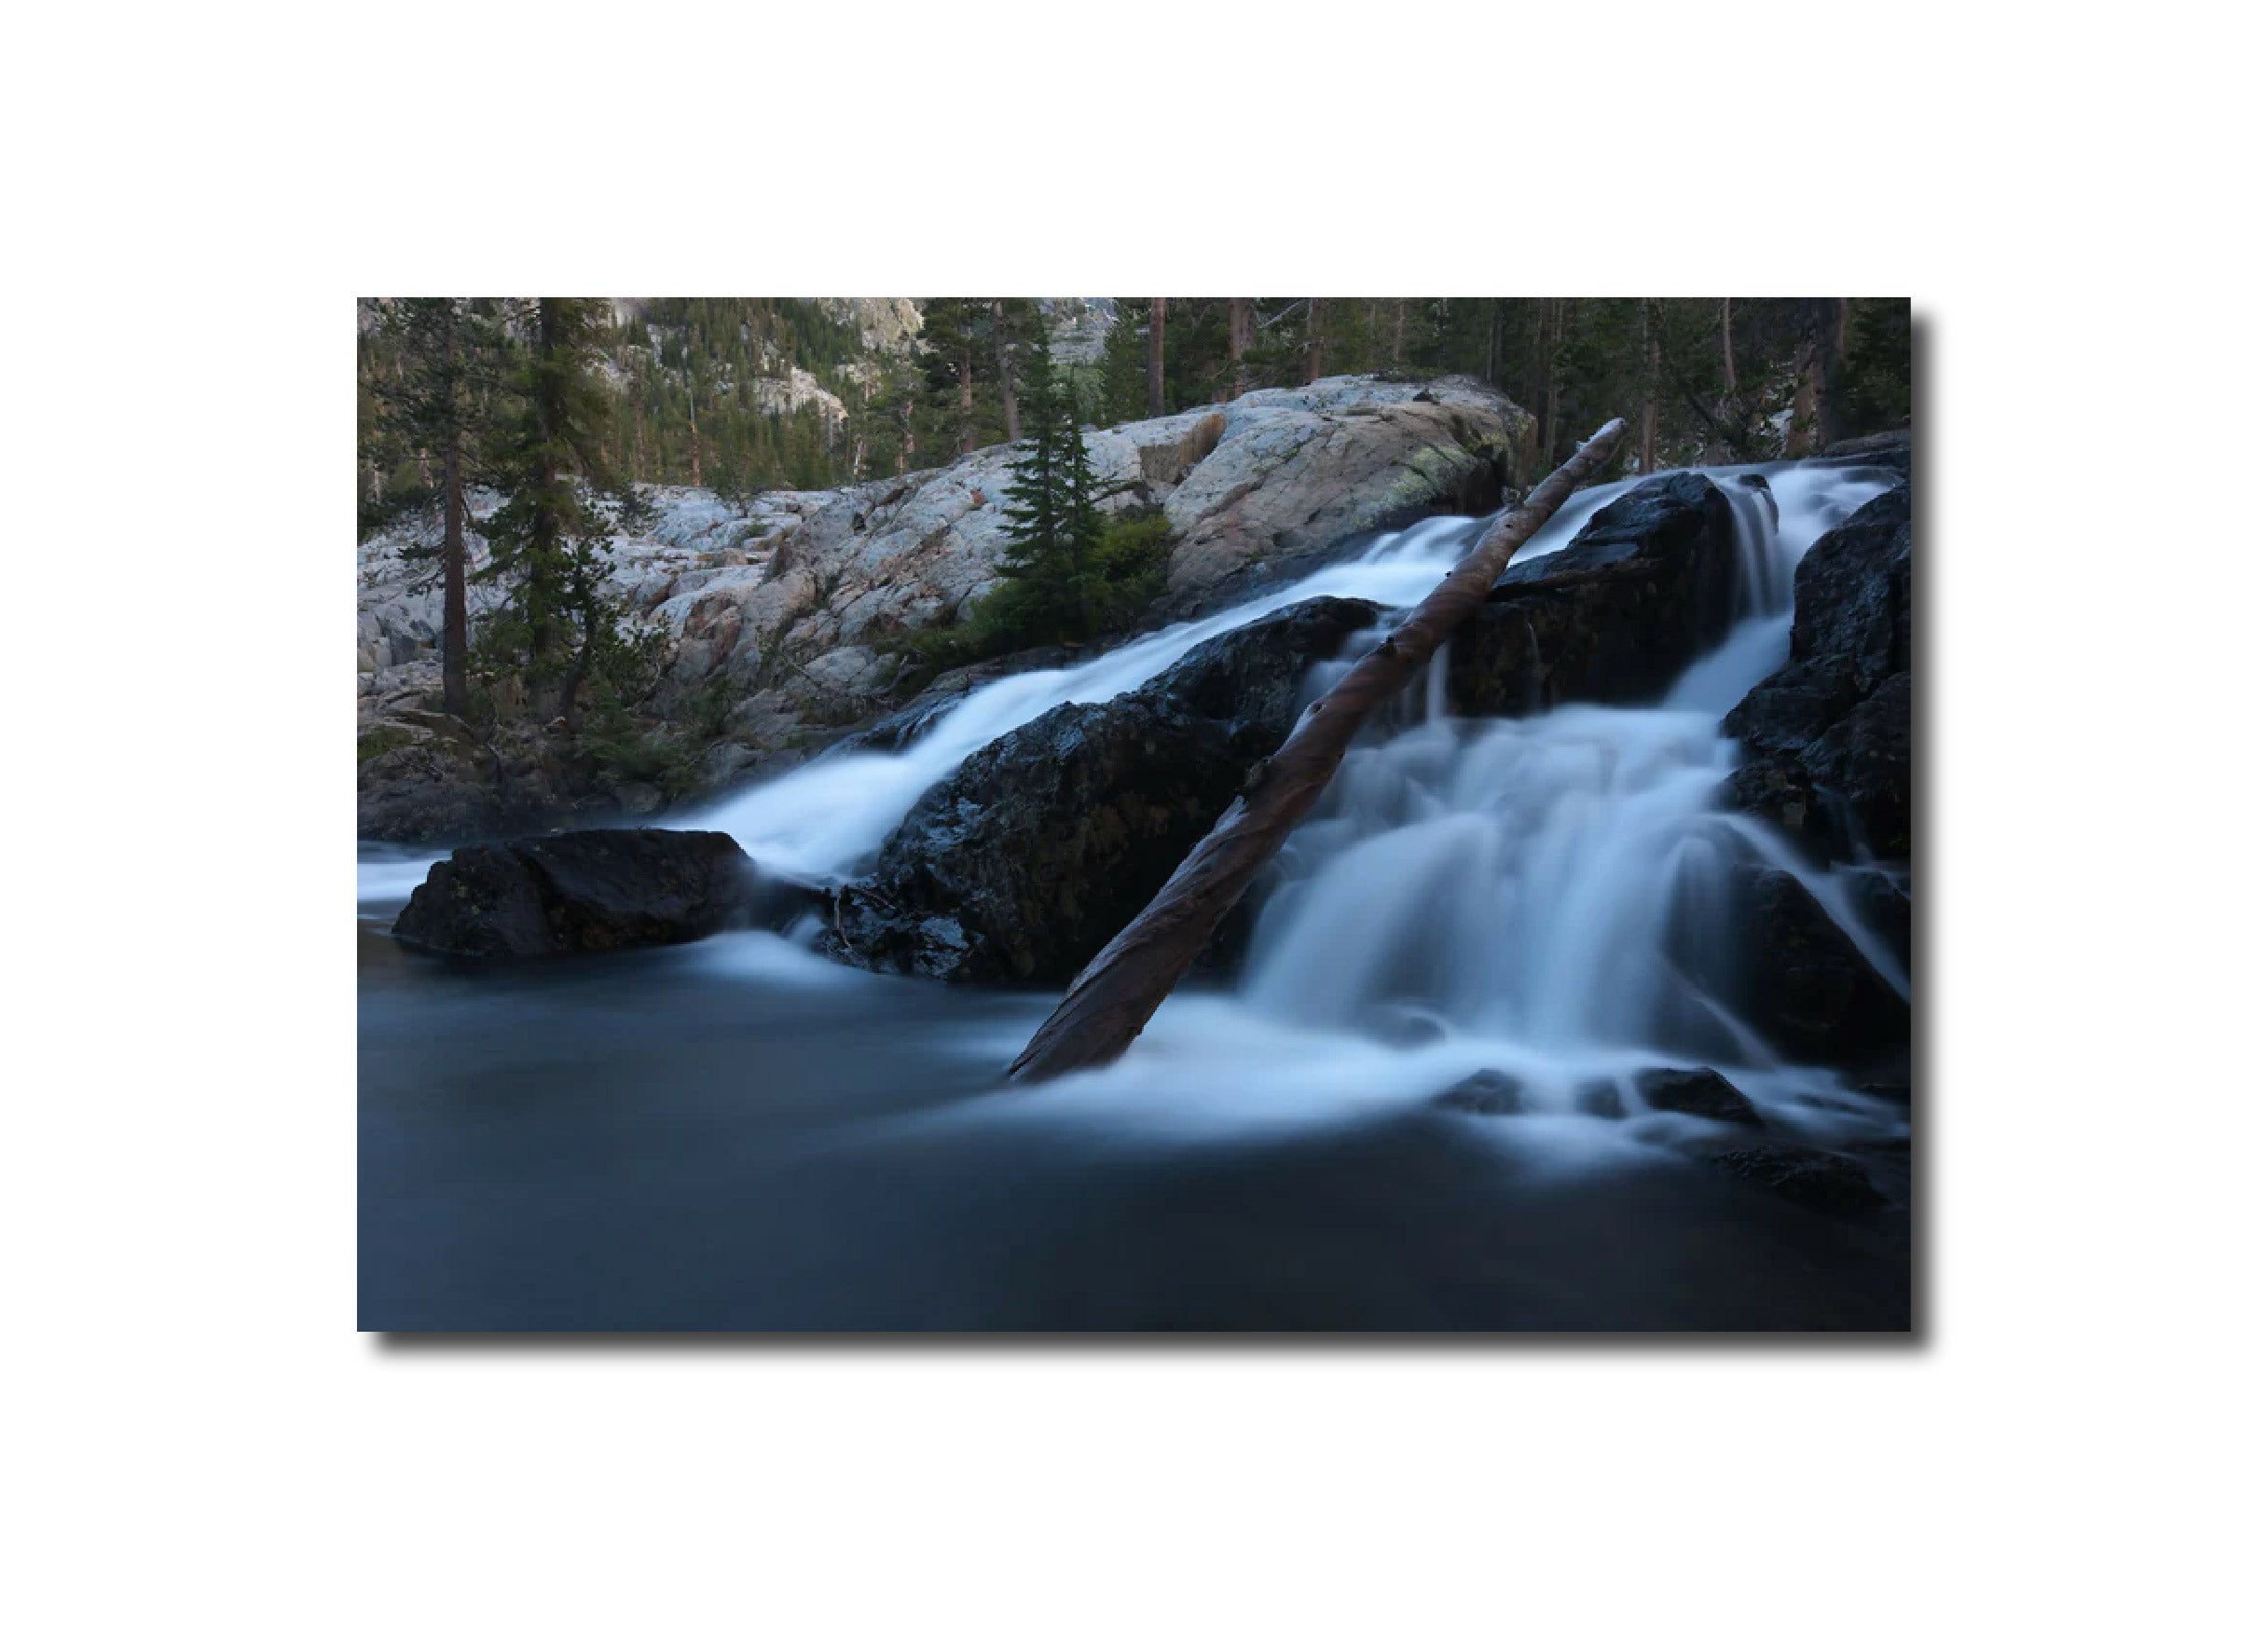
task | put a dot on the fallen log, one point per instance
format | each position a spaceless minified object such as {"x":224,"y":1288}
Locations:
{"x":1109,"y":1003}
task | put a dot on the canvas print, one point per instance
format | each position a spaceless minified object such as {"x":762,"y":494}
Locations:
{"x":1102,"y":816}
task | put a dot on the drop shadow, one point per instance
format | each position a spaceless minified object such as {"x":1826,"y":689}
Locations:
{"x":1916,"y":1341}
{"x":991,"y":1344}
{"x":1922,"y":883}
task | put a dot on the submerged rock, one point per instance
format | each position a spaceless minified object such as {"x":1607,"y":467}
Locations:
{"x":1025,"y":862}
{"x":1832,"y":731}
{"x":580,"y":891}
{"x":1833,"y":1183}
{"x":1603,"y":1100}
{"x":1646,"y":586}
{"x":1485,"y":1091}
{"x":1703,"y":1092}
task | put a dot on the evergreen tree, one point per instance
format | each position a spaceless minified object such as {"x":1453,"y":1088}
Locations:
{"x":1126,"y":369}
{"x":1035,"y":566}
{"x":955,"y":365}
{"x":437,"y":396}
{"x":1081,"y":523}
{"x":1051,"y":565}
{"x":1876,"y":379}
{"x":548,"y":541}
{"x":881,"y":424}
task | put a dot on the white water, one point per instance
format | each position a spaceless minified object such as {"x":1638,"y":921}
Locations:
{"x":1532,"y":895}
{"x":829,"y":819}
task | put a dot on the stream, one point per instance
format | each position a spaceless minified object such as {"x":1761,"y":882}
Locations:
{"x":740,"y":1135}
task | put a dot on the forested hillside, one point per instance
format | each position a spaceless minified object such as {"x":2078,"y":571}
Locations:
{"x":524,"y":457}
{"x":747,"y":395}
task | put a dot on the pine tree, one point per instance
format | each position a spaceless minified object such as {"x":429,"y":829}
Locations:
{"x":437,"y":395}
{"x":1049,"y":566}
{"x":1033,"y":563}
{"x":1125,"y":371}
{"x":955,"y":365}
{"x":548,"y":541}
{"x":1081,"y":523}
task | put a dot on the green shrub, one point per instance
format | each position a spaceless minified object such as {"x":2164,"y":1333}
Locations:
{"x":377,"y":743}
{"x":1125,"y":575}
{"x":623,"y":750}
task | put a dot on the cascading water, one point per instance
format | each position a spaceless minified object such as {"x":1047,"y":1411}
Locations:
{"x":1536,"y":895}
{"x":1547,"y":897}
{"x":826,"y":820}
{"x":1550,"y":882}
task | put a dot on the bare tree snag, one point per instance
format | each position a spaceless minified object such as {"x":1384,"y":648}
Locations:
{"x":1649,"y":414}
{"x":1239,"y":341}
{"x":1314,"y":340}
{"x":1725,"y":325}
{"x":1156,"y":357}
{"x":1811,"y":421}
{"x":1556,"y":312}
{"x":453,"y":697}
{"x":1005,"y":365}
{"x":1109,"y":1003}
{"x":968,"y":399}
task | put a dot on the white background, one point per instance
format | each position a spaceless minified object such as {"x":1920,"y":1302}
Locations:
{"x":195,"y":1430}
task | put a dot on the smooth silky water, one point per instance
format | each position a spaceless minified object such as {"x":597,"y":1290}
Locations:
{"x":739,"y":1134}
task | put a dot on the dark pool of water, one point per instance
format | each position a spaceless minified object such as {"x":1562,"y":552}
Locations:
{"x":663,"y":1142}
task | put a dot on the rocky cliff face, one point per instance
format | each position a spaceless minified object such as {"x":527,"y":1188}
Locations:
{"x":794,"y":607}
{"x":888,"y":324}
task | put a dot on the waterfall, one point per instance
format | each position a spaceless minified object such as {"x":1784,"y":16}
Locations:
{"x":1550,"y":894}
{"x":1543,"y":895}
{"x":829,"y":819}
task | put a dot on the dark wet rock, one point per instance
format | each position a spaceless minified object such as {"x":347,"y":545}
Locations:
{"x":1762,"y":486}
{"x":1890,"y":449}
{"x":1865,"y":761}
{"x":1603,"y":1100}
{"x":1777,"y":791}
{"x":1886,"y":903}
{"x":1646,"y":586}
{"x":1044,"y":843}
{"x":1833,"y":1183}
{"x":1805,"y":986}
{"x":1896,"y":1147}
{"x":1696,"y":1092}
{"x":1486,"y":1091}
{"x":1831,"y":734}
{"x":581,"y":891}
